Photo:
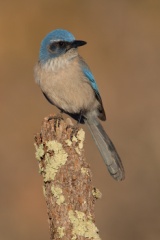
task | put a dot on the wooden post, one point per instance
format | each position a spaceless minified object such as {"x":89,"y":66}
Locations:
{"x":68,"y":189}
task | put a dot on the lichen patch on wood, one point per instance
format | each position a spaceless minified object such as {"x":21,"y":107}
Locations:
{"x":67,"y":177}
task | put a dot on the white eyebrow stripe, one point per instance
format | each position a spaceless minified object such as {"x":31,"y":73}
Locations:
{"x":57,"y":40}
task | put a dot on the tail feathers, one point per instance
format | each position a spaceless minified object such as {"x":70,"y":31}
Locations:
{"x":107,"y":149}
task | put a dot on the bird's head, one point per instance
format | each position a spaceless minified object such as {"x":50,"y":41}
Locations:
{"x":57,"y":43}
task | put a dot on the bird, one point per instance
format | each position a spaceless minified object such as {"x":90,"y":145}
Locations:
{"x":68,"y":83}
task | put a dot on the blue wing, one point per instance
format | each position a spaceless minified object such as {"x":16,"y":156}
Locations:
{"x":90,"y":77}
{"x":87,"y":72}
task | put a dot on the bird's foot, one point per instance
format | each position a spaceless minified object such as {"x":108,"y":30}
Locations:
{"x":75,"y":130}
{"x":56,"y":119}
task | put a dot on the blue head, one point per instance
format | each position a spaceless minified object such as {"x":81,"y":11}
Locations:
{"x":56,"y":43}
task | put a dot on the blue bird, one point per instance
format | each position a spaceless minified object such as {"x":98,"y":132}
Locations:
{"x":68,"y":83}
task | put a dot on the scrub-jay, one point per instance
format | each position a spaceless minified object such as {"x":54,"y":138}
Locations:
{"x":68,"y":83}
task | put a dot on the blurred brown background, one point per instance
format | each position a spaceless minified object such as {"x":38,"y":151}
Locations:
{"x":123,"y":52}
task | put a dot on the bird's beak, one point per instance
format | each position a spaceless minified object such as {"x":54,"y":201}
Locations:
{"x":77,"y":43}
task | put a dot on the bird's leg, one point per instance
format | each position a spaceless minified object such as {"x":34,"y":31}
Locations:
{"x":61,"y":112}
{"x":76,"y":126}
{"x":80,"y":117}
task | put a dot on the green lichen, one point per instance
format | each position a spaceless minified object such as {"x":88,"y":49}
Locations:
{"x":96,"y":193}
{"x":53,"y":163}
{"x":39,"y":151}
{"x":83,"y":226}
{"x":57,"y":192}
{"x":60,"y":231}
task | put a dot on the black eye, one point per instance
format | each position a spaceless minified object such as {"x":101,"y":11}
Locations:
{"x":61,"y":44}
{"x":57,"y":45}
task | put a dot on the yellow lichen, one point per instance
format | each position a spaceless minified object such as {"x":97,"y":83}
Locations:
{"x":74,"y":139}
{"x":39,"y":151}
{"x":83,"y":226}
{"x":77,"y":150}
{"x":74,"y":237}
{"x":84,"y":171}
{"x":60,"y":200}
{"x":41,"y":169}
{"x":53,"y":163}
{"x":57,"y":192}
{"x":96,"y":193}
{"x":60,"y":231}
{"x":44,"y":191}
{"x":69,"y":143}
{"x":81,"y":137}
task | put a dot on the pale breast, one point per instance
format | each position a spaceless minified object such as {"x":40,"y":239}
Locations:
{"x":67,"y":87}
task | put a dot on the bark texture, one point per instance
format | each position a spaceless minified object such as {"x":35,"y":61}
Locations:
{"x":68,"y":190}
